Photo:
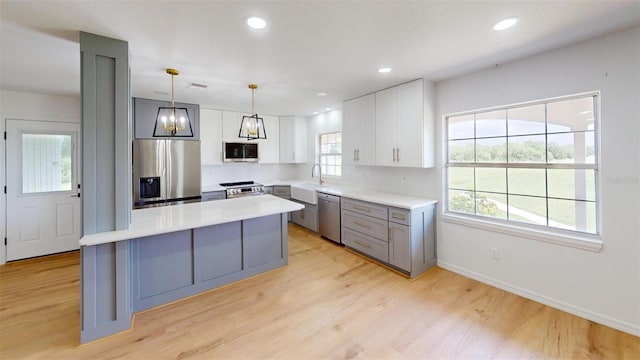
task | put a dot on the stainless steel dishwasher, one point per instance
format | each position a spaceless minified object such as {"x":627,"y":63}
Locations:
{"x":329,"y":216}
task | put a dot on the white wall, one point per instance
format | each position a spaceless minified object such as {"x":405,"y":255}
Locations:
{"x":603,"y":286}
{"x":213,"y":175}
{"x":407,"y":181}
{"x":30,"y":106}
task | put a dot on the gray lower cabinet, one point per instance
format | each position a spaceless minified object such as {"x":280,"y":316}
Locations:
{"x":403,"y":239}
{"x":282,"y":191}
{"x":145,"y":112}
{"x":214,"y":195}
{"x":307,"y":217}
{"x":168,"y":267}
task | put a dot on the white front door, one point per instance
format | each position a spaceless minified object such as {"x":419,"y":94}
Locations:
{"x":43,"y":191}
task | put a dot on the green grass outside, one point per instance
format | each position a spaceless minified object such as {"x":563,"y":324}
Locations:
{"x":561,"y":183}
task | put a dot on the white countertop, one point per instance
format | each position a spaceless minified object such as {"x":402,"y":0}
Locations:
{"x":378,"y":197}
{"x":166,"y":219}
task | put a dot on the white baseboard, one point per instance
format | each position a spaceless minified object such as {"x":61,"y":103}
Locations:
{"x":627,"y":327}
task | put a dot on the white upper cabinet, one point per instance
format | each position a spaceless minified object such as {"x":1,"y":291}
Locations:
{"x":402,"y":127}
{"x":293,"y":139}
{"x":385,"y":124}
{"x":210,"y":136}
{"x":358,"y":131}
{"x":268,"y":151}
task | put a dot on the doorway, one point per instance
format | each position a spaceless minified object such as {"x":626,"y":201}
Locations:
{"x":43,"y":188}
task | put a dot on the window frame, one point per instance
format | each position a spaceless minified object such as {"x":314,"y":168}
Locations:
{"x":320,"y":154}
{"x":573,"y":238}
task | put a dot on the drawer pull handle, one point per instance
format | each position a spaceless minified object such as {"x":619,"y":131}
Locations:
{"x":361,"y":224}
{"x":398,"y":216}
{"x":362,"y":244}
{"x":361,"y":208}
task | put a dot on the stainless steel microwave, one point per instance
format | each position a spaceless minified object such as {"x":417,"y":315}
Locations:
{"x":240,"y":152}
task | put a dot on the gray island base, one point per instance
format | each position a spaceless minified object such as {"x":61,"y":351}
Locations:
{"x":213,"y":246}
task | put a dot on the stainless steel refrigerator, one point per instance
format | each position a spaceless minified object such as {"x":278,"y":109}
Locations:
{"x":165,"y":172}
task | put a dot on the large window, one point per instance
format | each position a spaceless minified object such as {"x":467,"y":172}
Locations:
{"x":535,"y":164}
{"x":330,"y":153}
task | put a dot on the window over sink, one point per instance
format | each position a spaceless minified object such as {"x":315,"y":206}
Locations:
{"x":329,"y":153}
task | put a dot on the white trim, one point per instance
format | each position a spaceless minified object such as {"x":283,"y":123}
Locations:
{"x":570,"y":240}
{"x":627,"y":327}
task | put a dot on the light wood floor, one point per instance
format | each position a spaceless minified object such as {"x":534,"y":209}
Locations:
{"x":327,"y":303}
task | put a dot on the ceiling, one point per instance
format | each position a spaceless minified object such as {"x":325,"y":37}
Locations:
{"x":308,"y":47}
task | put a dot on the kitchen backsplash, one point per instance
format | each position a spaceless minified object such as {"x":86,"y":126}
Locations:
{"x":405,"y":181}
{"x":263,"y":173}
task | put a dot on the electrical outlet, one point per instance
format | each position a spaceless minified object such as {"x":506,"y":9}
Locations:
{"x":495,"y":254}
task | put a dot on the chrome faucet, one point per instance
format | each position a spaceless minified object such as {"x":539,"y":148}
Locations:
{"x":319,"y":172}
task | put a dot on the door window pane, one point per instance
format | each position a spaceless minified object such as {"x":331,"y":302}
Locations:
{"x":46,"y":163}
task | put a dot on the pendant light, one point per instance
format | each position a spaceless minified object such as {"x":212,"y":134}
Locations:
{"x":252,"y":126}
{"x":172,"y":121}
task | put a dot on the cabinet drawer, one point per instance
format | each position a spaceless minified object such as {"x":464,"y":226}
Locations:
{"x":365,"y":224}
{"x":400,"y":216}
{"x":366,"y":244}
{"x":365,"y":208}
{"x":282,"y":191}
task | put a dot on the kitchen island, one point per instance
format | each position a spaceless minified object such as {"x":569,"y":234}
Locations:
{"x":172,"y":252}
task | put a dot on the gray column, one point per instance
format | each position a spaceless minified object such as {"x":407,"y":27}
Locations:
{"x":106,"y":184}
{"x":106,"y":158}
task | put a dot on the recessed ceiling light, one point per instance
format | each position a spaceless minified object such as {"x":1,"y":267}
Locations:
{"x":505,"y":24}
{"x":256,"y":23}
{"x":328,"y":109}
{"x":322,"y":94}
{"x":384,"y":70}
{"x":315,"y":113}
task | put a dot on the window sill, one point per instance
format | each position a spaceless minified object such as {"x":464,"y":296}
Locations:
{"x":571,"y":240}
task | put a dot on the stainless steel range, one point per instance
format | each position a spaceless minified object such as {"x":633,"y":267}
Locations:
{"x":243,"y":188}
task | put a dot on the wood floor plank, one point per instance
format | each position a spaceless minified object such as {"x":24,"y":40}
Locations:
{"x":327,"y":303}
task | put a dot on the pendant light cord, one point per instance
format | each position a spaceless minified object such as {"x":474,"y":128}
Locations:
{"x":173,"y":104}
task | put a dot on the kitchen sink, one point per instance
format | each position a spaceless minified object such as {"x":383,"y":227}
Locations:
{"x":305,"y":192}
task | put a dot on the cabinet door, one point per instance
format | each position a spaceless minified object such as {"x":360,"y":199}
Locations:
{"x":287,"y":124}
{"x":350,"y":110}
{"x":386,"y":112}
{"x":410,"y":124}
{"x":366,"y":130}
{"x":268,"y":148}
{"x":231,"y":126}
{"x":145,"y":112}
{"x":300,"y":137}
{"x":400,"y":246}
{"x":211,"y":136}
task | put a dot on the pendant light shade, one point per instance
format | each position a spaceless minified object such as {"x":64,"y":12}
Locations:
{"x":252,"y":126}
{"x":172,"y":121}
